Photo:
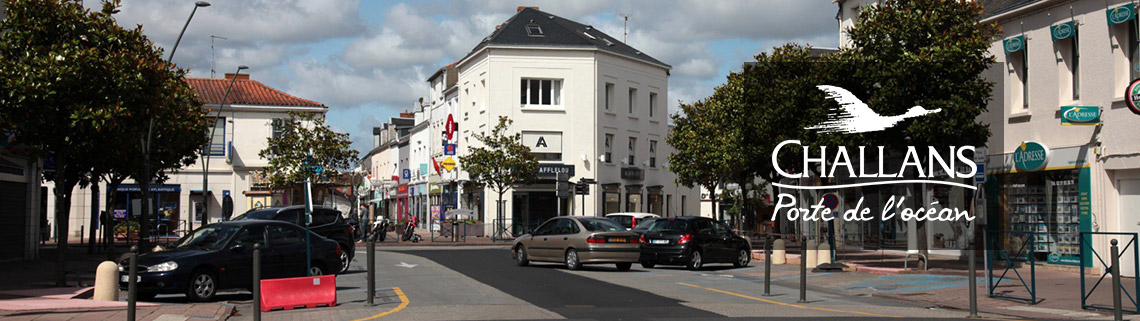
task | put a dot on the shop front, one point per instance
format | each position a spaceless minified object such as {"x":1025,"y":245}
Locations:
{"x":1044,"y":194}
{"x":165,"y":211}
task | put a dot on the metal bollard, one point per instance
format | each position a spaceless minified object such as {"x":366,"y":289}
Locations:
{"x":132,"y":282}
{"x":803,"y":272}
{"x":257,"y":281}
{"x":1117,"y":314}
{"x":371,"y":271}
{"x":973,"y":286}
{"x":768,"y":266}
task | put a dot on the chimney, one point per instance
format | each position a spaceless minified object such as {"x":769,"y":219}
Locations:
{"x":239,"y":77}
{"x":520,"y":8}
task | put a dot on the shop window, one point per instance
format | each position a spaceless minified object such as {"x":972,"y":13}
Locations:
{"x":613,"y":203}
{"x":541,"y":92}
{"x":655,"y":204}
{"x":548,"y":156}
{"x":633,"y":202}
{"x":1046,"y":204}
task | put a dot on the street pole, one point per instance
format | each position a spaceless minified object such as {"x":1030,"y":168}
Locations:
{"x":308,"y":219}
{"x":372,"y":268}
{"x":768,"y":265}
{"x":803,"y":270}
{"x":257,"y":281}
{"x":206,"y":152}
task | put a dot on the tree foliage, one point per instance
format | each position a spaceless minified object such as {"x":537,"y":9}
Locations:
{"x":306,"y":149}
{"x":502,"y":162}
{"x":74,"y":86}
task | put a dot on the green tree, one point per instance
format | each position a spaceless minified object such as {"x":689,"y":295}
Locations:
{"x":698,"y":137}
{"x":306,"y":149}
{"x":68,"y":79}
{"x":501,"y":163}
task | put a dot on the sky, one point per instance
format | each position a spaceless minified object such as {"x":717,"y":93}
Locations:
{"x":369,"y":60}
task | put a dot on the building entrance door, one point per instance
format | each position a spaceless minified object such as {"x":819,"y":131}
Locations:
{"x":1129,"y":216}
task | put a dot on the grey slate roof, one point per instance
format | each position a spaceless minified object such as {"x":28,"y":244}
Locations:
{"x":557,"y":32}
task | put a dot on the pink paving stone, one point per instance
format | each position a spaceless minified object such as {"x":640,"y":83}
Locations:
{"x":48,"y":293}
{"x":54,"y":304}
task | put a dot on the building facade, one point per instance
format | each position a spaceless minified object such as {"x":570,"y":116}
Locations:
{"x":586,"y":104}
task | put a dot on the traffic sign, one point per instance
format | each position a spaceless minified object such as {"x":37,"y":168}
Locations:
{"x":449,"y":149}
{"x":582,"y":189}
{"x":450,"y":127}
{"x":980,"y":176}
{"x":448,"y":164}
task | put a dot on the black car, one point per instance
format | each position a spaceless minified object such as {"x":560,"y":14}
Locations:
{"x":692,"y":242}
{"x":220,"y":256}
{"x":327,"y":222}
{"x":643,"y":225}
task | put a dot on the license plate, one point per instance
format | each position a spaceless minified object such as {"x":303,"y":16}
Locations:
{"x":125,"y":278}
{"x":618,"y":240}
{"x":658,"y":241}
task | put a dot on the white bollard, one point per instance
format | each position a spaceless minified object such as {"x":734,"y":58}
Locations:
{"x":824,"y":253}
{"x":810,"y":253}
{"x":106,"y":282}
{"x":779,"y":254}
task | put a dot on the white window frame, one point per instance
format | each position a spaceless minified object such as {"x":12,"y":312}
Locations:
{"x":555,"y":94}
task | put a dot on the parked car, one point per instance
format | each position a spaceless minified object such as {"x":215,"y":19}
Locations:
{"x":692,"y":242}
{"x":629,"y":219}
{"x":576,"y":240}
{"x":643,"y":225}
{"x":327,"y":222}
{"x":220,"y":256}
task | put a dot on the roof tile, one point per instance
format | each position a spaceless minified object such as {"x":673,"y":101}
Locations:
{"x":246,"y":92}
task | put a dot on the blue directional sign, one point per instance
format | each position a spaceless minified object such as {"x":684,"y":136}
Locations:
{"x":449,"y":149}
{"x":407,"y":174}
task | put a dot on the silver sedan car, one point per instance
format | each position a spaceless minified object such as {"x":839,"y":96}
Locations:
{"x":577,"y":240}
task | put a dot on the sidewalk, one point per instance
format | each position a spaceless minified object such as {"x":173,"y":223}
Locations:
{"x":28,"y":292}
{"x":426,"y":240}
{"x":1058,"y":288}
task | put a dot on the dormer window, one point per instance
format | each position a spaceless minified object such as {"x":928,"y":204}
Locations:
{"x":534,"y":31}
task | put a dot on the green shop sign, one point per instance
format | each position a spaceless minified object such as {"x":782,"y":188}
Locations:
{"x":1014,"y":44}
{"x":1080,"y":115}
{"x":1063,"y":30}
{"x":1121,"y":14}
{"x":1030,"y":156}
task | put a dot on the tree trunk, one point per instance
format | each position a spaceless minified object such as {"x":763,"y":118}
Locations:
{"x":715,"y":202}
{"x":62,"y":193}
{"x":108,"y":227}
{"x":94,"y":216}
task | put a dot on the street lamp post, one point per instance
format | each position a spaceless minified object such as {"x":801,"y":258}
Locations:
{"x":209,"y":145}
{"x":144,"y":183}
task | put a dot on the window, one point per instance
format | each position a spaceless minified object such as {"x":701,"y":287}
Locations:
{"x":632,"y":150}
{"x":652,"y":103}
{"x":548,"y":156}
{"x":1019,"y":76}
{"x":609,"y":148}
{"x":632,"y":99}
{"x":633,"y":202}
{"x":613,"y":202}
{"x":1132,"y":57}
{"x":278,"y":127}
{"x":284,"y":235}
{"x":1075,"y":66}
{"x":668,"y":202}
{"x":534,"y":31}
{"x":653,"y":153}
{"x":682,"y":205}
{"x":609,"y":96}
{"x":546,"y":92}
{"x":655,"y":204}
{"x":218,"y":141}
{"x":251,"y":235}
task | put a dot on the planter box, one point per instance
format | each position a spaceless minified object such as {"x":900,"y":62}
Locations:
{"x":474,"y":230}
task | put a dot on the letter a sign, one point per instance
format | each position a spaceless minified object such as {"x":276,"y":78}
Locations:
{"x":541,"y":142}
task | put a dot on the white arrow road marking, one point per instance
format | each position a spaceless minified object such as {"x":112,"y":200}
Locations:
{"x":406,"y":265}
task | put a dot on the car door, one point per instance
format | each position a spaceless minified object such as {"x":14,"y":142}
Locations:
{"x":726,"y":246}
{"x":237,"y":259}
{"x":707,"y":239}
{"x":560,"y":240}
{"x":288,"y":250}
{"x":539,"y":246}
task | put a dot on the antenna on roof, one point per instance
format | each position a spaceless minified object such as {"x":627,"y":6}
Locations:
{"x":212,"y":65}
{"x":625,"y":28}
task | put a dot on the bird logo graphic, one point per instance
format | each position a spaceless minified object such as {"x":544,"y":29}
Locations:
{"x":854,"y":116}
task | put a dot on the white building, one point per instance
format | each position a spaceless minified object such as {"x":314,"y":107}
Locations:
{"x":1055,"y":56}
{"x":242,"y":131}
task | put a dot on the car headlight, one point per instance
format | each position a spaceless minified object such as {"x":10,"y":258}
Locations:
{"x":163,"y":267}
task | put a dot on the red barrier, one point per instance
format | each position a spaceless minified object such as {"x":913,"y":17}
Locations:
{"x":290,"y":293}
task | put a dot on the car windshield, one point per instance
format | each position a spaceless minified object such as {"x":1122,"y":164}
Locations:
{"x":644,"y":224}
{"x":210,"y":238}
{"x":256,"y":215}
{"x":669,"y":226}
{"x":601,"y":225}
{"x":624,"y":220}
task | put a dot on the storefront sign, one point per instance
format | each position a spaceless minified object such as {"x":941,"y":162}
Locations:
{"x":1080,"y":115}
{"x":1121,"y":14}
{"x":543,"y":142}
{"x":119,"y":214}
{"x":1063,"y":30}
{"x":552,"y":170}
{"x":407,"y":174}
{"x":450,"y":127}
{"x":633,"y":173}
{"x":1030,"y":156}
{"x":402,"y":190}
{"x":1014,"y":44}
{"x":1132,"y":96}
{"x":434,"y":188}
{"x":448,"y":164}
{"x":153,"y":188}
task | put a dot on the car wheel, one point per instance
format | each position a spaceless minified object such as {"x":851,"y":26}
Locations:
{"x":648,"y":265}
{"x":742,"y":258}
{"x":572,"y":260}
{"x":695,"y":261}
{"x":345,"y":260}
{"x":624,"y":266}
{"x":203,"y":286}
{"x":520,"y":256}
{"x":316,"y":269}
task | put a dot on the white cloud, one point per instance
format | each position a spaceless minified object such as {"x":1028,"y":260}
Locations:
{"x":342,"y":87}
